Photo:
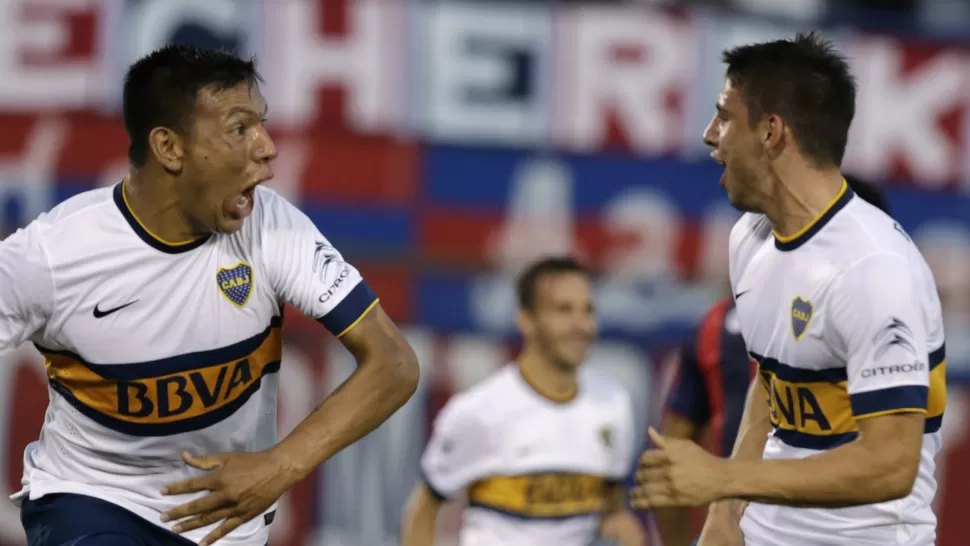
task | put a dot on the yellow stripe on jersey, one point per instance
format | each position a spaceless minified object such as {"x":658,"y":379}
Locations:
{"x":816,"y":220}
{"x":936,"y":401}
{"x":170,"y":396}
{"x":812,"y":408}
{"x":816,"y":408}
{"x":541,"y":495}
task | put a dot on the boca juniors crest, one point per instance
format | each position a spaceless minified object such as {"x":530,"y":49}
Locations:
{"x":236,"y":283}
{"x":801,"y":315}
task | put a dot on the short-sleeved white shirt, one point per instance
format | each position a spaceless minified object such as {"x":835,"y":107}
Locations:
{"x":845,"y":323}
{"x":154,"y":348}
{"x":534,"y":470}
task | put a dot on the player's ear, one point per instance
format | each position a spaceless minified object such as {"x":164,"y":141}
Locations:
{"x":524,"y":321}
{"x":773,"y":133}
{"x":167,"y":147}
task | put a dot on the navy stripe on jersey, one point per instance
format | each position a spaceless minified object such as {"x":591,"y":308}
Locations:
{"x":350,"y":310}
{"x":902,"y":397}
{"x":190,"y":424}
{"x":937,"y":357}
{"x":143,"y":234}
{"x":525,"y":517}
{"x":803,"y":236}
{"x":169,"y":396}
{"x":174,"y":364}
{"x":441,"y":497}
{"x":813,"y":441}
{"x":792,"y":374}
{"x":811,"y":409}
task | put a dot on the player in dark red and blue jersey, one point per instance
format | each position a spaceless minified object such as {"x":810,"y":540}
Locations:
{"x":707,"y":399}
{"x":706,"y":402}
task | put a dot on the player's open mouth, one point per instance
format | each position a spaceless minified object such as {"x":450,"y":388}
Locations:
{"x":243,"y":205}
{"x":723,"y":165}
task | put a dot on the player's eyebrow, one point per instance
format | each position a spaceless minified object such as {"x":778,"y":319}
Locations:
{"x":247,"y":111}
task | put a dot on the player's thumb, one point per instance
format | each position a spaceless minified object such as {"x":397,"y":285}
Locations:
{"x":657,"y":439}
{"x":201,"y":462}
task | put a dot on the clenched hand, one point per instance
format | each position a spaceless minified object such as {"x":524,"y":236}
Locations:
{"x":677,"y":473}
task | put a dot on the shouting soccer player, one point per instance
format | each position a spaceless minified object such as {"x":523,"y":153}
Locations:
{"x":841,"y":313}
{"x":714,"y":373}
{"x":158,"y":306}
{"x":541,"y":448}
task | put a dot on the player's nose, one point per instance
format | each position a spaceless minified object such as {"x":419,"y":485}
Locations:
{"x":264,"y":149}
{"x":709,"y":136}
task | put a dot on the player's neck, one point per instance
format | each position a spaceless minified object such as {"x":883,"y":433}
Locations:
{"x":546,"y":379}
{"x":156,"y":207}
{"x":799,"y":198}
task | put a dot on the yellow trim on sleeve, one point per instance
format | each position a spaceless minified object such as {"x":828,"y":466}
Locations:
{"x":360,"y":318}
{"x":890,"y":412}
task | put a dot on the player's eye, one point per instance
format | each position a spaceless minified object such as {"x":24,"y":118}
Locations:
{"x":239,"y":129}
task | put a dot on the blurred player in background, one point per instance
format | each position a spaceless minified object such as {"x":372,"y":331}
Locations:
{"x":840,"y":311}
{"x":542,"y":448}
{"x":714,"y":373}
{"x":158,"y":305}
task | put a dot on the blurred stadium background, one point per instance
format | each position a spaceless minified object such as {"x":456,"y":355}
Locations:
{"x":443,"y":144}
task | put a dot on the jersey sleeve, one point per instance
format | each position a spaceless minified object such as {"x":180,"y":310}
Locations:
{"x":878,"y":317}
{"x":306,"y":271}
{"x":458,"y":451}
{"x":625,"y":452}
{"x":688,"y":394}
{"x":26,"y":287}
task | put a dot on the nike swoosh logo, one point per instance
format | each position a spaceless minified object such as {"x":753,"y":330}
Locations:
{"x":739,"y":294}
{"x":98,"y":313}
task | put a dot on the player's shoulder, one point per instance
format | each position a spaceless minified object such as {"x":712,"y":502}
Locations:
{"x":749,"y":233}
{"x":488,"y":397}
{"x":716,"y":313}
{"x":867,"y":226}
{"x":600,"y":387}
{"x":273,"y":210}
{"x":275,"y":215}
{"x":72,"y":218}
{"x":751,"y":228}
{"x":866,"y":235}
{"x":80,"y":208}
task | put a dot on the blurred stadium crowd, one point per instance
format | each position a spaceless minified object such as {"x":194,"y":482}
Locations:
{"x":443,"y":144}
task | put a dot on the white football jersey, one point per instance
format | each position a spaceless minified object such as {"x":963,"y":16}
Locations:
{"x":845,"y":323}
{"x":153,"y":348}
{"x":535,"y":471}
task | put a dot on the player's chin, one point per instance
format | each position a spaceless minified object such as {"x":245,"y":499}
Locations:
{"x":229,"y":223}
{"x":574,"y":356}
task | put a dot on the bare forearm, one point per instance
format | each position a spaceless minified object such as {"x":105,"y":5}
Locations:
{"x":749,"y":446}
{"x":674,"y":526}
{"x":420,"y":519}
{"x":372,"y":394}
{"x":849,"y":475}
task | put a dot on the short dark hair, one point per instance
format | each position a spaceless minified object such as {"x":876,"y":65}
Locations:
{"x":161,"y":89}
{"x":807,"y":82}
{"x":528,"y":282}
{"x":869,"y":192}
